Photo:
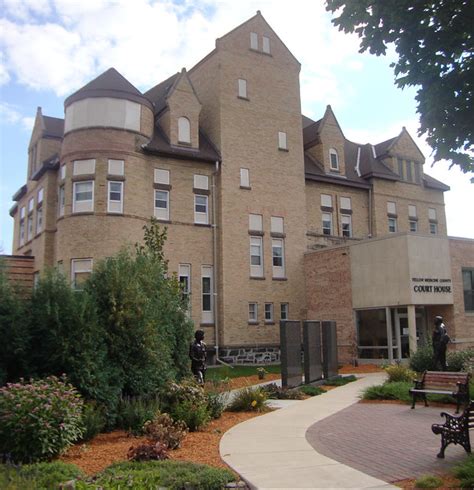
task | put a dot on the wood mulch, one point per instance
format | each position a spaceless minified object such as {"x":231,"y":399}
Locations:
{"x":242,"y":382}
{"x":361,"y":369}
{"x":449,"y":481}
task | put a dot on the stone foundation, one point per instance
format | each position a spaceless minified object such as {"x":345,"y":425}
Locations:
{"x":250,"y":355}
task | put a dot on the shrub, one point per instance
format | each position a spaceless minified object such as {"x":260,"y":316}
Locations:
{"x":422,"y":359}
{"x":155,"y":451}
{"x":216,"y":403}
{"x":276,"y":393}
{"x":465,"y":472}
{"x":389,"y":391}
{"x":429,"y":481}
{"x":249,"y":399}
{"x":93,"y":420}
{"x":165,"y":430}
{"x":311,"y":390}
{"x":460,"y":360}
{"x":40,"y":419}
{"x":340,"y":380}
{"x":38,"y":476}
{"x":133,"y":413}
{"x":193,"y":415}
{"x":398,"y":372}
{"x":174,"y":475}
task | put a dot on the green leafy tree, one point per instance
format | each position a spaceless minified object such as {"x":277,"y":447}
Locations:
{"x":434,"y":40}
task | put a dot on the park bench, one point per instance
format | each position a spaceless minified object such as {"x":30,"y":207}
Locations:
{"x":442,"y":383}
{"x":456,"y":429}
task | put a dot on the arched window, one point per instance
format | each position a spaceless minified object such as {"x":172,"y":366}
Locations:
{"x":333,"y":159}
{"x":184,"y":130}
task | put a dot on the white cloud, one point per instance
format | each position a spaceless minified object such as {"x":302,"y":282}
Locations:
{"x":9,"y":114}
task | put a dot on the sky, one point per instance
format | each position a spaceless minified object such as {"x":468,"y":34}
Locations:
{"x":51,"y":48}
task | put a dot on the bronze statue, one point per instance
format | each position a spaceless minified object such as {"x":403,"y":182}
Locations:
{"x":440,"y":340}
{"x":198,"y":354}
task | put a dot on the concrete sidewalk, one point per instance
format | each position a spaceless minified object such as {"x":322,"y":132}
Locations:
{"x":271,"y":451}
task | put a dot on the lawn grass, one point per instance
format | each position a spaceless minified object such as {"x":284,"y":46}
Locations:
{"x":399,"y":390}
{"x":222,"y":372}
{"x":465,"y":472}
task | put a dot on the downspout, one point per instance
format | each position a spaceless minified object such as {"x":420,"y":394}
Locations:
{"x":370,"y":211}
{"x":214,"y":268}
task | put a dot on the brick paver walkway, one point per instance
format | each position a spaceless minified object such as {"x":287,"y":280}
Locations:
{"x":387,"y":441}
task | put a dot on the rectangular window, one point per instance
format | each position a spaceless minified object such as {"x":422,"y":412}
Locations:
{"x":62,"y":172}
{"x":468,"y":288}
{"x":327,"y":223}
{"x":266,"y":44}
{"x":244,"y":177}
{"x":346,"y":223}
{"x":200,"y":209}
{"x":432,"y":214}
{"x":242,"y":85}
{"x":282,"y":142}
{"x":412,"y":211}
{"x":400,"y":168}
{"x":22,"y":212}
{"x":40,"y":196}
{"x":253,"y":312}
{"x":83,"y":197}
{"x":184,"y":278}
{"x":162,"y":176}
{"x":326,"y":201}
{"x":84,"y":167}
{"x":391,"y":207}
{"x":115,"y":201}
{"x":433,"y":228}
{"x":201,"y":182}
{"x":253,"y":40}
{"x":81,"y":269}
{"x":207,"y":294}
{"x":333,"y":159}
{"x":276,"y":224}
{"x":278,"y":257}
{"x":284,"y":309}
{"x":39,"y":219}
{"x":162,"y":205}
{"x":61,"y":200}
{"x":346,"y":203}
{"x":268,"y":312}
{"x":22,"y":232}
{"x":256,"y":256}
{"x":255,"y":222}
{"x":116,"y":167}
{"x":409,"y":171}
{"x":392,"y":225}
{"x":413,"y":226}
{"x":418,"y":172}
{"x":30,"y":227}
{"x":31,"y":205}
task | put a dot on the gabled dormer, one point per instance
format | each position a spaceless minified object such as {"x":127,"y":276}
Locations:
{"x":180,"y":118}
{"x":324,"y":141}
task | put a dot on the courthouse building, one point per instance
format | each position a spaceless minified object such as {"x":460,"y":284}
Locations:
{"x":270,"y":215}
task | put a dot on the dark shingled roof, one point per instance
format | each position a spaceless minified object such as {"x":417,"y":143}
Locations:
{"x":110,"y":84}
{"x":160,"y":145}
{"x":310,"y":132}
{"x":19,"y":193}
{"x":157,"y":94}
{"x":432,"y":183}
{"x":381,"y":148}
{"x":53,"y":127}
{"x":51,"y":163}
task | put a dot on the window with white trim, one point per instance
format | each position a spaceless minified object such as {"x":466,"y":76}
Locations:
{"x":278,"y":257}
{"x":346,"y":223}
{"x":115,"y":200}
{"x":116,"y":167}
{"x":184,"y":278}
{"x":39,"y":199}
{"x":29,"y":228}
{"x":392,"y":225}
{"x":284,"y":310}
{"x":253,"y":312}
{"x":242,"y":88}
{"x":409,"y":173}
{"x":412,"y":218}
{"x":327,"y":223}
{"x":433,"y":228}
{"x":333,"y":159}
{"x":84,"y":167}
{"x":266,"y":44}
{"x":22,"y":226}
{"x":83,"y":197}
{"x":31,"y":205}
{"x":207,"y":294}
{"x":282,"y":141}
{"x":413,"y":225}
{"x":201,"y":214}
{"x":39,"y":219}
{"x":244,"y":177}
{"x":346,"y":203}
{"x":268,"y":312}
{"x":256,"y":256}
{"x":432,"y":214}
{"x":81,"y":269}
{"x":184,"y":130}
{"x":201,"y":182}
{"x":162,"y":176}
{"x":326,"y":201}
{"x":412,"y":211}
{"x":276,"y":224}
{"x":391,"y":207}
{"x":468,"y":289}
{"x":255,"y":222}
{"x":162,"y":205}
{"x":61,"y":200}
{"x":253,"y":40}
{"x":62,"y":172}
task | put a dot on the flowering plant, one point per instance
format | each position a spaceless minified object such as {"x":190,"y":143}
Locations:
{"x":261,"y":371}
{"x":39,"y":419}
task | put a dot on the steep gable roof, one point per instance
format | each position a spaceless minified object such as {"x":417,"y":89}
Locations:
{"x":157,"y":94}
{"x":109,"y":84}
{"x":53,"y":127}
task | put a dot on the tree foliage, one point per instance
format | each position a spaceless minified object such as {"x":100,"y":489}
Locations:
{"x":434,"y":40}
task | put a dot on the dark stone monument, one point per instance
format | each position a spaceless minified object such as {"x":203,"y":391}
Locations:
{"x":313,"y":369}
{"x":290,"y":346}
{"x":329,"y":337}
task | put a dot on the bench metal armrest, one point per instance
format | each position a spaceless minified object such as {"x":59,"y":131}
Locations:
{"x":453,"y":421}
{"x":418,"y":385}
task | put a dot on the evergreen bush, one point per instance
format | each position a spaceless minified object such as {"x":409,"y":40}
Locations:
{"x":422,"y":359}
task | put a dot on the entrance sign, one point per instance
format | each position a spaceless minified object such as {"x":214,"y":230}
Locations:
{"x":313,"y":369}
{"x":290,"y":347}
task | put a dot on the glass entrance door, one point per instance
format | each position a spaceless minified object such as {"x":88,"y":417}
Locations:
{"x":402,"y":332}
